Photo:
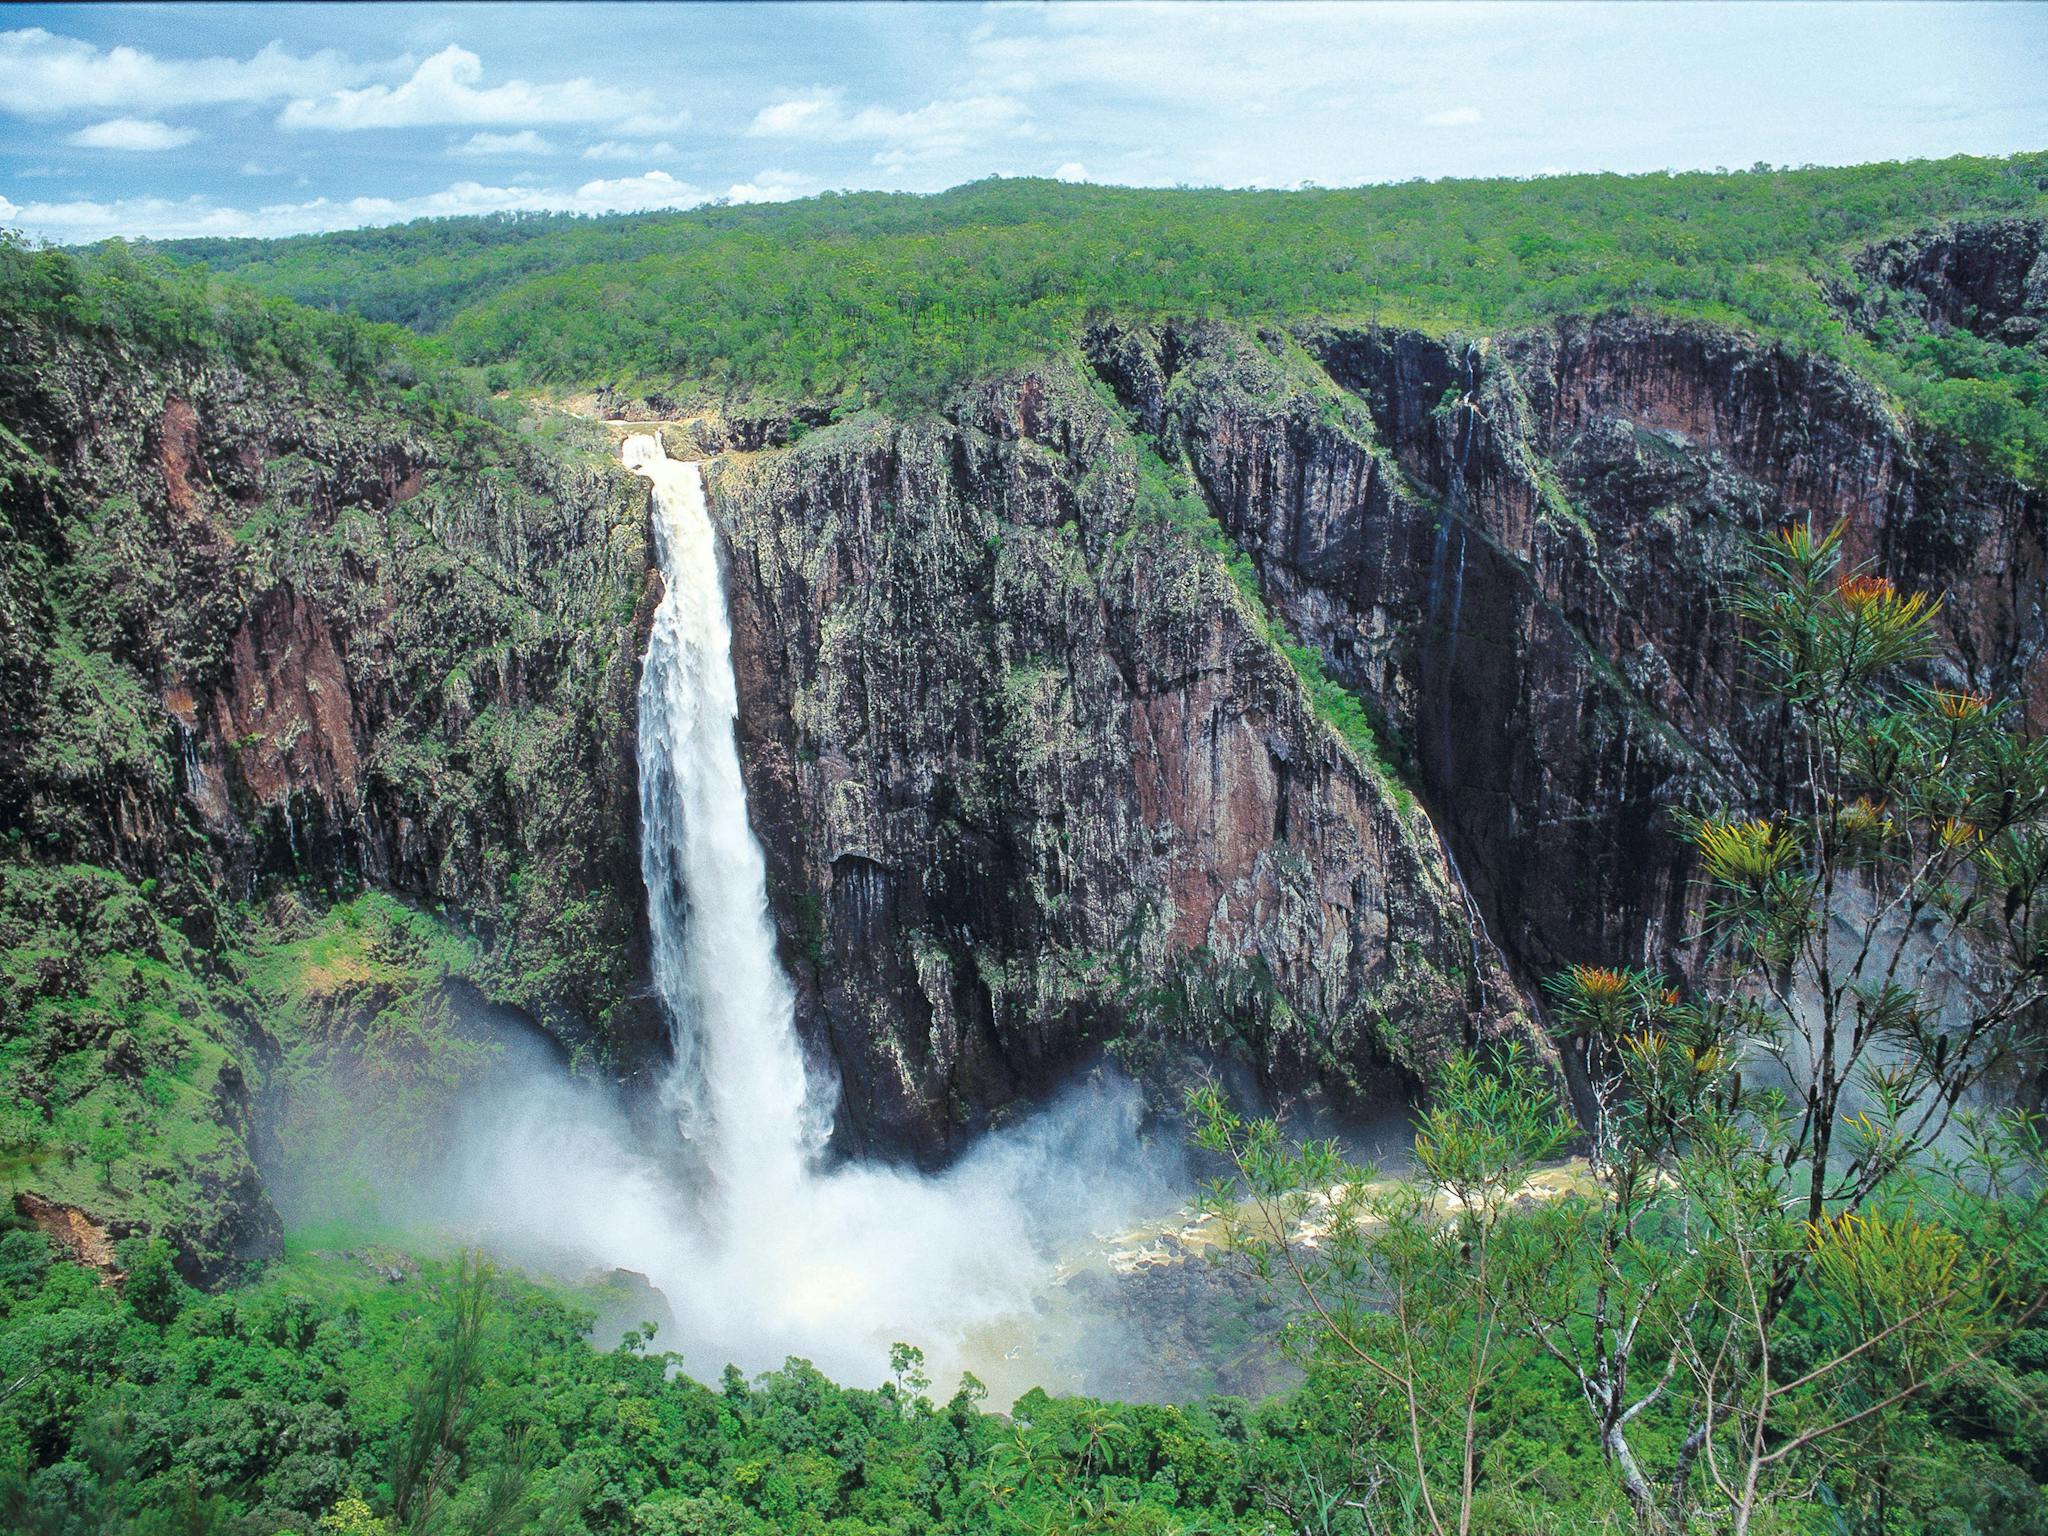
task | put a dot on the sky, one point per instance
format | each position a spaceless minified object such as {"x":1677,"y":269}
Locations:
{"x":173,"y":120}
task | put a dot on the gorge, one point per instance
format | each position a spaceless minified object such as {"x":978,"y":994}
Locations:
{"x":785,"y":823}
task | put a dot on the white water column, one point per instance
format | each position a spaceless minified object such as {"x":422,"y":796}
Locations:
{"x":738,"y":1083}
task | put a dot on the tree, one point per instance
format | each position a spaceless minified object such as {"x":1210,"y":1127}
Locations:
{"x":907,"y":1374}
{"x":352,"y":1517}
{"x":1408,"y":1280}
{"x":107,"y":1145}
{"x":1795,"y":1225}
{"x":444,"y":1398}
{"x":153,"y":1288}
{"x":1919,"y":833}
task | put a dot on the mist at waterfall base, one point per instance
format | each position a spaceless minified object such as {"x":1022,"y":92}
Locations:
{"x":717,"y":1193}
{"x":549,"y":1172}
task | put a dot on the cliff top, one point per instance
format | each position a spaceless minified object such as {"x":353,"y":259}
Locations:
{"x":895,"y":299}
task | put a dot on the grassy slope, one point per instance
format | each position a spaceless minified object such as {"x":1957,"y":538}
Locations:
{"x":120,"y":1022}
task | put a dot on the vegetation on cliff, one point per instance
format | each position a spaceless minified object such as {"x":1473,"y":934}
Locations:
{"x":281,"y":621}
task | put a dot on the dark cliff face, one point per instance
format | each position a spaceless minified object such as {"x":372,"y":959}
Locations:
{"x":1985,"y":276}
{"x":295,"y":638}
{"x":1031,"y":774}
{"x":1522,"y":551}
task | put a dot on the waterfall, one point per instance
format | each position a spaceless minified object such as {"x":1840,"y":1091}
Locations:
{"x":738,"y":1084}
{"x":761,"y":1251}
{"x":195,"y":774}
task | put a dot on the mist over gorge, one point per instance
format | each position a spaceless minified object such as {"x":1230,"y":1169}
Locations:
{"x":757,"y":771}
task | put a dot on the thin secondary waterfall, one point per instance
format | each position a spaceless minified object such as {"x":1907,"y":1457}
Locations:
{"x":739,"y":1083}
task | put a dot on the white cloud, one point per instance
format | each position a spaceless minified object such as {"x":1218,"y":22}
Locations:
{"x":799,"y":115}
{"x":1073,"y":170}
{"x":445,"y":89}
{"x":43,"y":75}
{"x":770,"y":187}
{"x":132,"y":133}
{"x":1455,"y":117}
{"x":614,"y":149}
{"x":652,"y":189}
{"x":1246,"y":94}
{"x":524,"y":142}
{"x":258,"y":168}
{"x":167,"y":219}
{"x":935,"y":129}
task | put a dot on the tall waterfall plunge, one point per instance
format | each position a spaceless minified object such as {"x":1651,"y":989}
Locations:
{"x":720,"y":1200}
{"x":832,"y":1265}
{"x":738,"y":1081}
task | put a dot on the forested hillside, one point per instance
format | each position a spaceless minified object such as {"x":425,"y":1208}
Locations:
{"x":898,"y":298}
{"x":282,"y":620}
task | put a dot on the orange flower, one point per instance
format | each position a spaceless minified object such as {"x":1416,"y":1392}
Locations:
{"x":1875,"y":601}
{"x":1955,"y":834}
{"x":1599,"y":983}
{"x":1865,"y":592}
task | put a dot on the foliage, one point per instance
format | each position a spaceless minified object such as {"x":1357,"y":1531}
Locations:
{"x":169,"y":311}
{"x":466,"y":1400}
{"x":1368,"y":1257}
{"x":152,"y":1286}
{"x":122,"y":1039}
{"x":138,"y":996}
{"x":1796,"y":1254}
{"x":897,"y":298}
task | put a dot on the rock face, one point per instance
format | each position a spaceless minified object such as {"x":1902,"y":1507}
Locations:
{"x":252,"y":629}
{"x":310,"y":638}
{"x":1522,"y":550}
{"x":1986,"y":276}
{"x":1032,"y":774}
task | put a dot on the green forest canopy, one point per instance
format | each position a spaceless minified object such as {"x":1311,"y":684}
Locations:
{"x":895,"y":298}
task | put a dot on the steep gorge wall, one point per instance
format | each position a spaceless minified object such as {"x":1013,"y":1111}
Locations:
{"x":1034,"y":773}
{"x":1031,"y":775}
{"x":1522,"y":551}
{"x":254,"y":631}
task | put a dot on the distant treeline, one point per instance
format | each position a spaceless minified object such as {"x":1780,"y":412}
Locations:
{"x":893,"y":298}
